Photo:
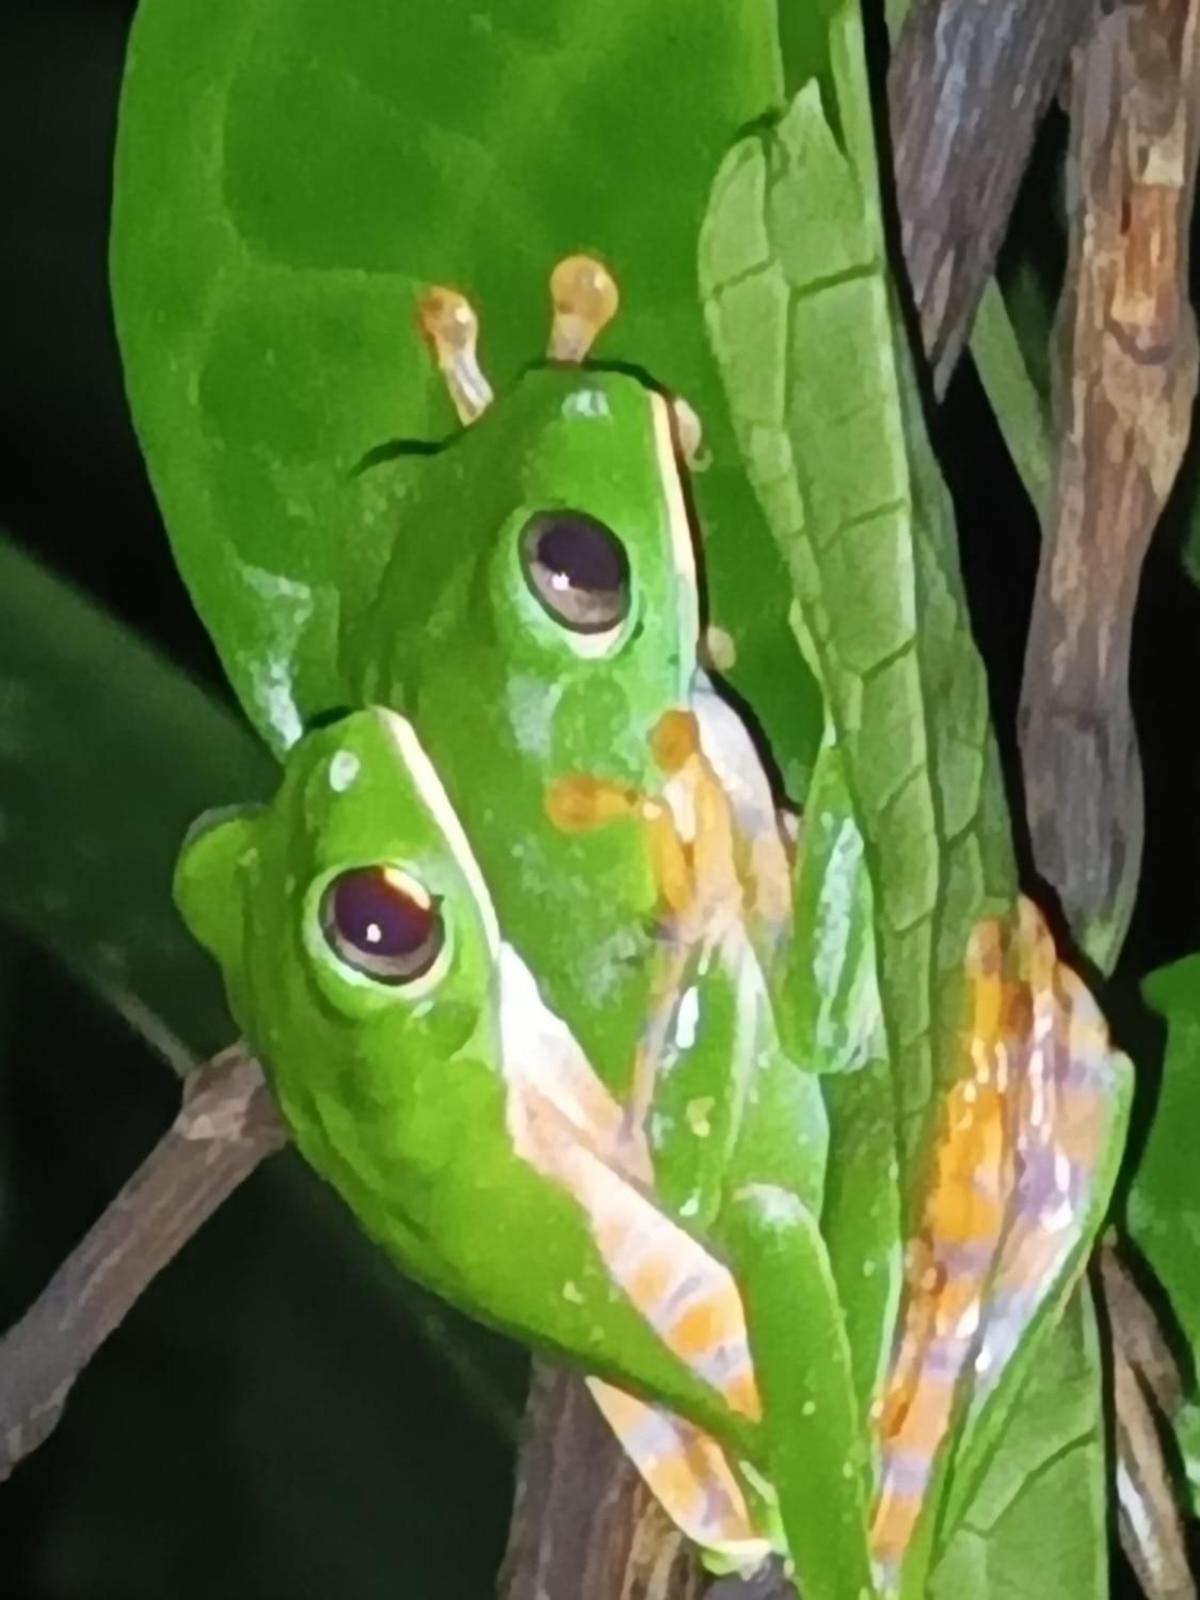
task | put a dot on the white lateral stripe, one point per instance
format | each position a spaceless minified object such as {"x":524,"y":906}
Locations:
{"x":672,"y":487}
{"x":429,"y":787}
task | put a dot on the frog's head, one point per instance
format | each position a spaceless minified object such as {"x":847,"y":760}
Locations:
{"x":550,"y":545}
{"x":358,"y":944}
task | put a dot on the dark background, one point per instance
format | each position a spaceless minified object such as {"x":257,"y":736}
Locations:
{"x":273,"y":1419}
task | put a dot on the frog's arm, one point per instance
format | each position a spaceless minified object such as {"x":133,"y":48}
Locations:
{"x":814,"y":1439}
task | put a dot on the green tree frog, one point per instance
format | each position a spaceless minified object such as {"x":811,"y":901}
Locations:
{"x":538,"y":618}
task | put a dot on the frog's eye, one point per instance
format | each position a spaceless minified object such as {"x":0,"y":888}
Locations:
{"x":577,"y":569}
{"x":382,"y":923}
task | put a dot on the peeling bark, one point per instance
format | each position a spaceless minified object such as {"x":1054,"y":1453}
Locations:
{"x":968,"y":86}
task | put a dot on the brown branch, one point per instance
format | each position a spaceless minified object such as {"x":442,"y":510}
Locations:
{"x":225,"y":1127}
{"x":967,"y":87}
{"x":584,"y":1526}
{"x":1125,"y":381}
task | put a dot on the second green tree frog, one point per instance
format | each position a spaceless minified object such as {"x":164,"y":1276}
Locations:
{"x":421,"y":1072}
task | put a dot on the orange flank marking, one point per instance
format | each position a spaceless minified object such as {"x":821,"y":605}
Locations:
{"x":675,"y":740}
{"x":741,"y":1393}
{"x":579,"y":803}
{"x":1011,"y":1182}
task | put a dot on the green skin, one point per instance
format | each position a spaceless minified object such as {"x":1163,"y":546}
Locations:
{"x":504,"y":695}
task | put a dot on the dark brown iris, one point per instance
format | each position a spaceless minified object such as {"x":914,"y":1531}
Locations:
{"x":578,"y":570}
{"x":382,"y":923}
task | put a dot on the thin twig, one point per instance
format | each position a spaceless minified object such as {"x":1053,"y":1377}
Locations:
{"x":225,"y":1127}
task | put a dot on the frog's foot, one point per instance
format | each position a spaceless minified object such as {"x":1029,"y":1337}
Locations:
{"x":579,"y":803}
{"x":717,"y":650}
{"x":687,"y":1473}
{"x":585,"y":299}
{"x":451,"y":328}
{"x":689,"y":440}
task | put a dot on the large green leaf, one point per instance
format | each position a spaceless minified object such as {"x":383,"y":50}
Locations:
{"x":107,"y":754}
{"x":292,"y":176}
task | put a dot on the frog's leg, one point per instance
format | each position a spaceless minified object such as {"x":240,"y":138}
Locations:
{"x":711,"y":880}
{"x":567,"y":1125}
{"x":1021,"y":1175}
{"x":948,"y":1265}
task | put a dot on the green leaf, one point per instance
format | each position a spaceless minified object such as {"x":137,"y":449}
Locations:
{"x":1020,"y":411}
{"x":291,"y":177}
{"x":828,"y":416}
{"x":107,"y":755}
{"x":1163,"y":1212}
{"x":1037,"y":1524}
